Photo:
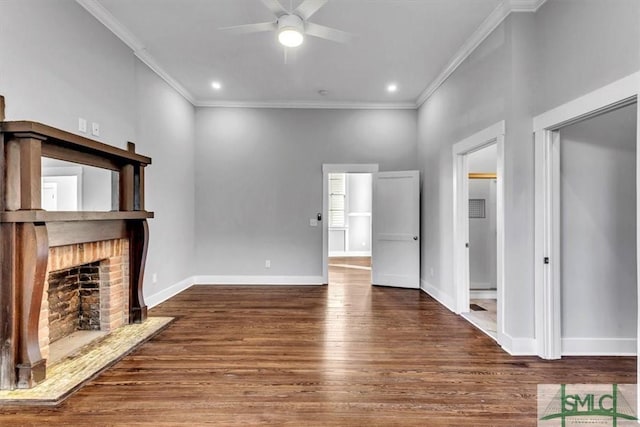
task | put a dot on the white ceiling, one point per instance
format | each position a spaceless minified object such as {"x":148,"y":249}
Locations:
{"x":413,"y":43}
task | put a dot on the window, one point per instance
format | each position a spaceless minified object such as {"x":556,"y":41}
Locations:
{"x":337,"y":194}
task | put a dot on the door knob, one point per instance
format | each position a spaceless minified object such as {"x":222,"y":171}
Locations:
{"x":415,"y":237}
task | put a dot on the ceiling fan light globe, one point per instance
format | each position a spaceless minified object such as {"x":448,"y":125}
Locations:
{"x":290,"y":37}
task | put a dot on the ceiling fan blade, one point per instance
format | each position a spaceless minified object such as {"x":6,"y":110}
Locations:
{"x":327,"y":33}
{"x":275,"y":7}
{"x":308,"y":7}
{"x":250,"y":28}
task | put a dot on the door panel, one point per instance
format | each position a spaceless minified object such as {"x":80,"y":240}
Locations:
{"x":396,"y":229}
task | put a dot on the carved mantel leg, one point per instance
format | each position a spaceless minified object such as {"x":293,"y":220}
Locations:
{"x":31,"y":265}
{"x":138,"y":243}
{"x":8,"y":323}
{"x":25,"y":250}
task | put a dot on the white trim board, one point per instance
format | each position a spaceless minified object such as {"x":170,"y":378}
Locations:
{"x":591,"y":104}
{"x":171,"y":291}
{"x":483,"y":294}
{"x":259,"y":280}
{"x":518,"y":346}
{"x":442,"y":297}
{"x":599,"y":346}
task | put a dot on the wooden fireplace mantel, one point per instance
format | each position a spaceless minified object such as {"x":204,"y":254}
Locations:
{"x":27,"y":232}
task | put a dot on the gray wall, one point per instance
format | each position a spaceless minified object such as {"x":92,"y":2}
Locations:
{"x":584,"y":45}
{"x":63,"y":65}
{"x":598,"y":226}
{"x":259,"y":180}
{"x":165,"y":130}
{"x":530,"y":63}
{"x":96,"y":189}
{"x":474,"y":97}
{"x":57,"y":63}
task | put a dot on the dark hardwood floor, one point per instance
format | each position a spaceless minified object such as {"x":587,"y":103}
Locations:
{"x":346,"y":354}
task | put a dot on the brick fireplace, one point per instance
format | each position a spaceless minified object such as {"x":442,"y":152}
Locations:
{"x":85,"y":290}
{"x":35,"y":245}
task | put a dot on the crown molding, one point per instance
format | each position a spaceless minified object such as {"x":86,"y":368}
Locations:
{"x":499,"y":14}
{"x":116,"y":27}
{"x":526,"y":5}
{"x":150,"y":61}
{"x":492,"y":21}
{"x":310,"y":105}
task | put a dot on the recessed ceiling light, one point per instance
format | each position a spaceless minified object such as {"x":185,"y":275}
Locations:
{"x":392,"y":87}
{"x":216,"y":85}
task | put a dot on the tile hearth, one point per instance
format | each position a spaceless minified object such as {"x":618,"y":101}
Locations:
{"x":71,"y":373}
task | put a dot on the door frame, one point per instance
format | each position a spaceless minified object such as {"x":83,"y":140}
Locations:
{"x":546,"y":128}
{"x":492,"y":135}
{"x":328,"y":168}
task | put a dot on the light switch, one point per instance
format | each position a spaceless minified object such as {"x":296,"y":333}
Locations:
{"x":82,"y":125}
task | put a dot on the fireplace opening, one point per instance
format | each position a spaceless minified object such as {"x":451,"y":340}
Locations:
{"x":74,"y":309}
{"x":74,"y":300}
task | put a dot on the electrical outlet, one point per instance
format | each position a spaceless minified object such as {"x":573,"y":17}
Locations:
{"x":313,"y":222}
{"x":95,"y":129}
{"x":82,"y":125}
{"x":267,"y":263}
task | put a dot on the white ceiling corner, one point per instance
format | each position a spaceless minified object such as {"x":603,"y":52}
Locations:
{"x":490,"y":23}
{"x":126,"y":20}
{"x":496,"y":17}
{"x":108,"y":20}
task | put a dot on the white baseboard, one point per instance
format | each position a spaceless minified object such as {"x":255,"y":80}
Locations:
{"x":165,"y":294}
{"x":438,"y":295}
{"x":258,"y":280}
{"x":483,"y":294}
{"x":599,"y":346}
{"x":481,"y":285}
{"x":350,"y":254}
{"x":518,"y":346}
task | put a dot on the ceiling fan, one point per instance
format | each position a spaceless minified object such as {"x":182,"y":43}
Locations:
{"x":293,"y":25}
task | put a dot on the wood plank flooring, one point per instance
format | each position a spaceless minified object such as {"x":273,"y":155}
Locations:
{"x":346,"y":354}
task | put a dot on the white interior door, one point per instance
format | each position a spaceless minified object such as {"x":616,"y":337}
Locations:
{"x":396,"y":229}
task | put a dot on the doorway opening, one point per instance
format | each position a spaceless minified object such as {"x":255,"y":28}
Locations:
{"x":583,"y":199}
{"x":349,"y":222}
{"x":597,"y":225}
{"x":346,"y":194}
{"x":479,"y":229}
{"x":483,"y":291}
